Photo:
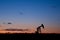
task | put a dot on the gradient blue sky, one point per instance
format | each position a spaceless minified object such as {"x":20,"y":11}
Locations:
{"x":34,"y":12}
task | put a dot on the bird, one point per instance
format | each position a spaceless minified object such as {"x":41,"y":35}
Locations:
{"x":21,"y":13}
{"x":9,"y":23}
{"x":53,"y":6}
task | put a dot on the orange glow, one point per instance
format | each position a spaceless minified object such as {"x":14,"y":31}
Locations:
{"x":32,"y":29}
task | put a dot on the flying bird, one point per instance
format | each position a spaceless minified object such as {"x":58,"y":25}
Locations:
{"x":53,"y":6}
{"x":9,"y":23}
{"x":21,"y":13}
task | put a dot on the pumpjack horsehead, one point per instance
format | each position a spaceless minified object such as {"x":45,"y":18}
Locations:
{"x":39,"y":28}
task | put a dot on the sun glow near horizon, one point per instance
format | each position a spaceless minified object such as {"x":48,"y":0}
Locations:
{"x":31,"y":30}
{"x":29,"y":14}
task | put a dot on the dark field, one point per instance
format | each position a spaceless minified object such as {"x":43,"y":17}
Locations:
{"x":31,"y":36}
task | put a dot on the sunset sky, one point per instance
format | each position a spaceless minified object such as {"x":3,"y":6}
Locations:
{"x":30,"y":14}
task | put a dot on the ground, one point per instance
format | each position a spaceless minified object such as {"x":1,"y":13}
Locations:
{"x":31,"y":36}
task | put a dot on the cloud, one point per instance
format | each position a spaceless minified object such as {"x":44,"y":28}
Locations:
{"x":17,"y":29}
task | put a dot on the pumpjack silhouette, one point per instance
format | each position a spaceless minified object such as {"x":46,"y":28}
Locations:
{"x":39,"y":28}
